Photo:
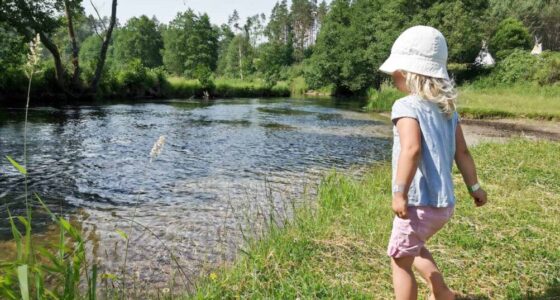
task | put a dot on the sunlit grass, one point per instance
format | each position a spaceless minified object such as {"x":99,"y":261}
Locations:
{"x":520,"y":101}
{"x":382,"y":99}
{"x":529,"y":101}
{"x":225,"y":88}
{"x":509,"y":249}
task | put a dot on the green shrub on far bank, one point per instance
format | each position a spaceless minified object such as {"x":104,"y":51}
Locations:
{"x":382,"y":99}
{"x":522,"y":67}
{"x":133,"y":80}
{"x":463,"y":73}
{"x":298,"y":86}
{"x":179,"y":87}
{"x":511,"y":34}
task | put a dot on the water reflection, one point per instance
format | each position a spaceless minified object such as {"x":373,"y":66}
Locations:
{"x":225,"y":165}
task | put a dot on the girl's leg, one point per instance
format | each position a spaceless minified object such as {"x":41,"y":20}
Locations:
{"x":404,"y":282}
{"x":428,"y":269}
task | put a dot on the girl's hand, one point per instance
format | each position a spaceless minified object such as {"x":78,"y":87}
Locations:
{"x":400,"y":205}
{"x":479,"y":197}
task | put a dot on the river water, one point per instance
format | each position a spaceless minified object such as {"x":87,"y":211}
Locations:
{"x":226,"y":165}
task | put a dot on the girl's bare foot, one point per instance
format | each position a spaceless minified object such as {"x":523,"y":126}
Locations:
{"x":445,"y":295}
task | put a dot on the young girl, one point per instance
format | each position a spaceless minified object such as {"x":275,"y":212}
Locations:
{"x":427,"y":138}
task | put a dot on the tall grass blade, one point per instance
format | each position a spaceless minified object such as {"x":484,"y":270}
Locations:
{"x":92,"y":283}
{"x":17,"y":237}
{"x":19,"y":167}
{"x":23,"y":284}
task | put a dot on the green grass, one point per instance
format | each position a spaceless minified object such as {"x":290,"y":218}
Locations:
{"x":509,"y":249}
{"x":224,"y":88}
{"x":521,"y":101}
{"x":382,"y":99}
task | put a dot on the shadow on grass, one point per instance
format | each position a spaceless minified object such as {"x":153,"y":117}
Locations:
{"x":472,"y":297}
{"x":551,"y":292}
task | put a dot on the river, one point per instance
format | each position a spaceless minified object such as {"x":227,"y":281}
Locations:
{"x":226,"y":165}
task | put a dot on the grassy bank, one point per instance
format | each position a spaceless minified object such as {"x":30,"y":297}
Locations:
{"x":520,"y":101}
{"x":509,"y":249}
{"x":179,"y":87}
{"x":525,"y":101}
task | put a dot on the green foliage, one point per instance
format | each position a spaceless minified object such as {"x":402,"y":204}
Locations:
{"x":382,"y":99}
{"x":12,"y":49}
{"x":340,"y":56}
{"x":523,"y":100}
{"x":224,"y":88}
{"x":204,"y":76}
{"x":89,"y":54}
{"x":522,"y":67}
{"x":511,"y":34}
{"x":190,"y":41}
{"x":463,"y":73}
{"x":356,"y":37}
{"x":548,"y":72}
{"x":273,"y":57}
{"x":139,"y":39}
{"x":239,"y":58}
{"x":542,"y":17}
{"x":29,"y":17}
{"x":461,"y":22}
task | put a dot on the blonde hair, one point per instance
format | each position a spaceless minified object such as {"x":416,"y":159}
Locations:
{"x":437,"y":90}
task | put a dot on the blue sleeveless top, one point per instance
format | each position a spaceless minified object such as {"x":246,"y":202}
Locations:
{"x":432,"y":184}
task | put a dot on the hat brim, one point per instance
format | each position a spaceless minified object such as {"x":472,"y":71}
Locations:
{"x":414,"y":64}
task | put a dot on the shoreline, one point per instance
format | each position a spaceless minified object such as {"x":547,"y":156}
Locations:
{"x":337,"y":250}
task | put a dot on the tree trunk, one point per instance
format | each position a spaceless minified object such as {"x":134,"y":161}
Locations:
{"x":104,"y":47}
{"x":58,"y":68}
{"x":75,"y":50}
{"x":240,"y":62}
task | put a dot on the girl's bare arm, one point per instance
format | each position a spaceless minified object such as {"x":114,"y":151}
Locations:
{"x":410,"y":141}
{"x":466,"y":166}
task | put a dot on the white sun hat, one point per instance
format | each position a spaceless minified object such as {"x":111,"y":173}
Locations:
{"x":421,"y":50}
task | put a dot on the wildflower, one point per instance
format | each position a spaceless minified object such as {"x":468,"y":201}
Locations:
{"x":157,"y":148}
{"x":213,"y":276}
{"x":165,"y":290}
{"x":33,"y":56}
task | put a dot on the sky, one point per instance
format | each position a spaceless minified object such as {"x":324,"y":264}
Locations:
{"x":166,"y":10}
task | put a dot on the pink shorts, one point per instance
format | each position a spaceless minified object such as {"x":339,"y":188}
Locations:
{"x":409,"y":235}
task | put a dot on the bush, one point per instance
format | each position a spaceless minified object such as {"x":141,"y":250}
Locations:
{"x":462,"y":73}
{"x":511,"y":34}
{"x":548,"y":72}
{"x":522,"y":67}
{"x":382,"y":99}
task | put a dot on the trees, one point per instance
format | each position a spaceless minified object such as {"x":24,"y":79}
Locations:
{"x":356,"y":37}
{"x":340,"y":53}
{"x":279,"y":27}
{"x":510,"y":34}
{"x":462,"y":22}
{"x":302,"y":22}
{"x":239,"y":57}
{"x":12,"y":48}
{"x":542,"y":18}
{"x":139,"y":39}
{"x":190,"y":44}
{"x":29,"y":18}
{"x":33,"y":17}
